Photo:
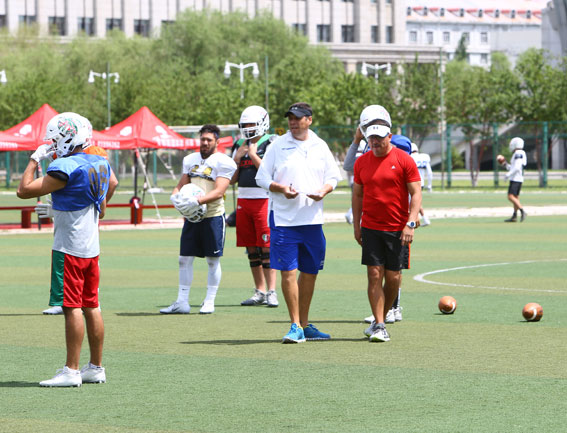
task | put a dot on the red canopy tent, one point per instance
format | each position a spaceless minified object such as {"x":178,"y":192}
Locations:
{"x":144,"y":129}
{"x":28,"y":135}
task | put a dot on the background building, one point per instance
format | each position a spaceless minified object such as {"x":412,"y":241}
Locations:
{"x":510,"y":26}
{"x":354,"y":30}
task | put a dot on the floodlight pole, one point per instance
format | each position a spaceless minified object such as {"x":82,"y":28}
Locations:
{"x":241,"y":67}
{"x":376,"y":67}
{"x":106,"y":76}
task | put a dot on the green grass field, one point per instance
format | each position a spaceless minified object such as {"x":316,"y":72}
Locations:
{"x":482,"y":369}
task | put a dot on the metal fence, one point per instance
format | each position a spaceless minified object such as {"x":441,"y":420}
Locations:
{"x":460,"y":147}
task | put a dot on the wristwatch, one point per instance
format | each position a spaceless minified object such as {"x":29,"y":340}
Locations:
{"x":411,"y":224}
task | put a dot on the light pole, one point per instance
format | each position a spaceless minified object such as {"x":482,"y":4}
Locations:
{"x":3,"y":78}
{"x":241,"y":66}
{"x":105,"y":76}
{"x":376,"y":67}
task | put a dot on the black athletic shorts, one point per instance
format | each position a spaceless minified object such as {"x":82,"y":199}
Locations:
{"x":514,"y":188}
{"x":381,"y":248}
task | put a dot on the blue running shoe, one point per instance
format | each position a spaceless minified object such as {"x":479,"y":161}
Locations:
{"x":295,"y":335}
{"x":312,"y":333}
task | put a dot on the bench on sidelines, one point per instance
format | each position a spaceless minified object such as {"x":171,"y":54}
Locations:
{"x":136,"y":212}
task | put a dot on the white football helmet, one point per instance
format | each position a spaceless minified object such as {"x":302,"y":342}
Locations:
{"x":372,"y":113}
{"x":414,"y":148}
{"x":257,"y":116}
{"x":197,"y":214}
{"x":67,"y":131}
{"x":516,"y":143}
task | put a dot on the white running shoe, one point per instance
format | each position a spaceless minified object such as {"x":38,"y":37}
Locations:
{"x":258,"y":298}
{"x":390,"y":316}
{"x":54,"y":310}
{"x":93,"y":374}
{"x":425,"y":221}
{"x":272,"y":298}
{"x":177,"y":308}
{"x":398,"y":314}
{"x":207,"y":307}
{"x":380,"y":334}
{"x":370,"y":330}
{"x":64,"y":377}
{"x":369,"y":319}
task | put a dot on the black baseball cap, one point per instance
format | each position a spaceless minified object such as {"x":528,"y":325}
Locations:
{"x":299,"y":110}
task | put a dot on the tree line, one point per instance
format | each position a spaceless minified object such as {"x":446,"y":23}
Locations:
{"x":179,"y":76}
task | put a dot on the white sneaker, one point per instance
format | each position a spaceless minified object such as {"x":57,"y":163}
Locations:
{"x":258,"y":298}
{"x":93,"y":374}
{"x":398,"y":314}
{"x":177,"y":308}
{"x":390,"y":317}
{"x":54,"y":310}
{"x":272,"y":299}
{"x":64,"y":377}
{"x":369,"y":319}
{"x":380,"y":334}
{"x":207,"y":307}
{"x":348,"y":217}
{"x":425,"y":221}
{"x":370,"y":330}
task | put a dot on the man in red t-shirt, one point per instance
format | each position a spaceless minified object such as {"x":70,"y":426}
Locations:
{"x":383,"y":218}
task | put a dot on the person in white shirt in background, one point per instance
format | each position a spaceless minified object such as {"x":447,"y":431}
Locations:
{"x":516,"y":175}
{"x":423,"y":162}
{"x":299,"y":170}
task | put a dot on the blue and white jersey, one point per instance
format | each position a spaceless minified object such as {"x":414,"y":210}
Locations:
{"x":516,"y":166}
{"x":87,"y":181}
{"x":76,"y":207}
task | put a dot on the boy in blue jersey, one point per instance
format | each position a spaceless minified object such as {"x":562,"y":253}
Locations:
{"x":79,"y":185}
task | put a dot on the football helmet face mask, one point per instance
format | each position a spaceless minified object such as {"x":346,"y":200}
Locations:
{"x":372,"y":113}
{"x":258,"y":117}
{"x":67,"y":131}
{"x":516,"y":143}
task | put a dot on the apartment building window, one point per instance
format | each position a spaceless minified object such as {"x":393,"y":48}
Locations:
{"x":389,"y":35}
{"x":113,"y":24}
{"x":467,"y":38}
{"x":56,"y":25}
{"x":413,"y":37}
{"x":484,"y":59}
{"x":300,"y":28}
{"x":142,"y":27}
{"x":323,"y":33}
{"x":2,"y":21}
{"x":348,"y":33}
{"x":86,"y":25}
{"x":446,"y":37}
{"x":27,"y":19}
{"x":374,"y":34}
{"x":483,"y":37}
{"x":429,"y":36}
{"x":348,"y":1}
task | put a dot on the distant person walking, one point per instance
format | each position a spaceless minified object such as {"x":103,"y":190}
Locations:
{"x":516,"y":176}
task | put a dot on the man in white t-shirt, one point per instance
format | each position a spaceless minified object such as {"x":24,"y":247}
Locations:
{"x":299,"y":170}
{"x":516,"y":175}
{"x":211,"y":171}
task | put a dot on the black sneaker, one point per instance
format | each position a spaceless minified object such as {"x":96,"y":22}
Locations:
{"x":513,"y":219}
{"x":523,"y":216}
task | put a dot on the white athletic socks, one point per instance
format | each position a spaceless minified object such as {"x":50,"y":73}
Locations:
{"x":185,"y":278}
{"x":213,"y":277}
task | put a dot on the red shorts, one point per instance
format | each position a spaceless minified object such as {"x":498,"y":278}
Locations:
{"x":252,"y":228}
{"x":74,"y":281}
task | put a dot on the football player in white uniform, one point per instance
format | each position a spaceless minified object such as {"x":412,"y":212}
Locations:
{"x":516,"y":175}
{"x":422,"y":160}
{"x":211,"y":171}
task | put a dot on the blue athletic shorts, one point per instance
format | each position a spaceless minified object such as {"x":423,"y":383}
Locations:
{"x":203,"y":239}
{"x":298,"y":247}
